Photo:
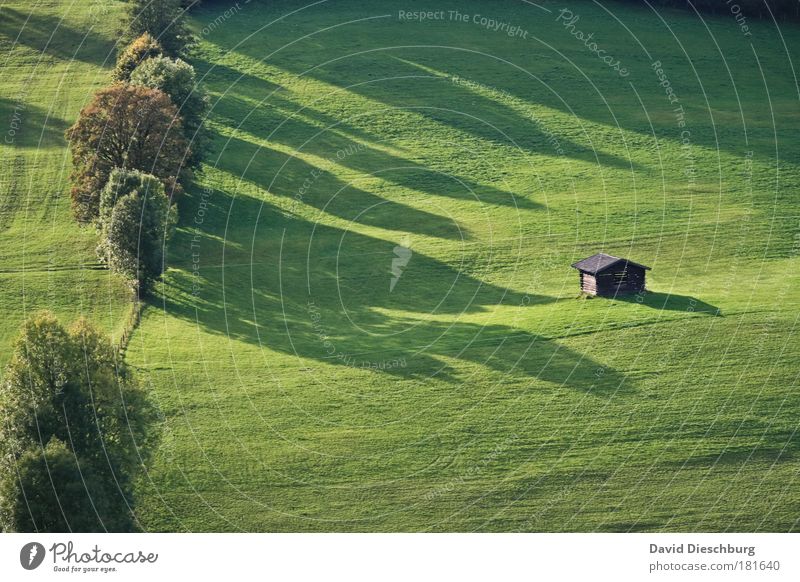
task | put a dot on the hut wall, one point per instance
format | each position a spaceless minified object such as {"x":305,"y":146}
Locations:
{"x":620,"y":280}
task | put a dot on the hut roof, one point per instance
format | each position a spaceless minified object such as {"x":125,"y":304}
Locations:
{"x":600,"y":262}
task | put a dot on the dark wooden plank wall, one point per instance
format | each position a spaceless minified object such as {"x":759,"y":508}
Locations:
{"x":608,"y":282}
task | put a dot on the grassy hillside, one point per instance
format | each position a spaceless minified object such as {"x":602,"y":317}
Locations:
{"x":369,"y":321}
{"x":54,"y":56}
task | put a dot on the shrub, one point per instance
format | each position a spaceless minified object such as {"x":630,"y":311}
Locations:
{"x":136,"y":221}
{"x":177,"y":79}
{"x":143,"y":47}
{"x":128,"y":127}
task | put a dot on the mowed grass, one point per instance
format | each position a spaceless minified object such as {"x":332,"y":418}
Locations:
{"x":303,"y":391}
{"x":54,"y":56}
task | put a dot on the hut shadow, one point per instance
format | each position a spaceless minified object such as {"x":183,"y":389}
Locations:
{"x":671,"y":302}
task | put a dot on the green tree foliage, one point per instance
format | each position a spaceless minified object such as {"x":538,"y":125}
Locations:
{"x":177,"y":79}
{"x":54,"y":491}
{"x":75,"y":430}
{"x":113,"y":414}
{"x":39,"y":369}
{"x":125,"y":126}
{"x":136,"y":221}
{"x":780,"y":9}
{"x":142,"y":47}
{"x":163,"y":19}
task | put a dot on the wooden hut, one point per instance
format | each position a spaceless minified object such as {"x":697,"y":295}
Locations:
{"x":608,"y":276}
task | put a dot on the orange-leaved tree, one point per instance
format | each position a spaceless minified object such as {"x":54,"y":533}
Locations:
{"x":129,"y":127}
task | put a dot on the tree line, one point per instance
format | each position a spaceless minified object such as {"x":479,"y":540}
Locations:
{"x":76,"y":427}
{"x":767,"y":9}
{"x":137,"y":143}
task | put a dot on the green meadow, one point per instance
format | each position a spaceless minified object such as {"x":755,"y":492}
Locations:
{"x":55,"y":54}
{"x":369,"y":321}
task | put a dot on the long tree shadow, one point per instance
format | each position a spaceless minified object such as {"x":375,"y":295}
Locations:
{"x":250,"y":92}
{"x":768,"y":454}
{"x":328,"y":139}
{"x":50,"y":35}
{"x":30,"y":126}
{"x":439,"y":97}
{"x":462,"y":103}
{"x":326,"y":295}
{"x":578,"y":87}
{"x":746,"y":442}
{"x":317,"y":186}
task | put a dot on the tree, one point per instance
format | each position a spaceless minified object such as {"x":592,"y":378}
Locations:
{"x":177,"y":79}
{"x":76,"y":428}
{"x":129,"y":127}
{"x":112,"y":426}
{"x":136,"y":221}
{"x":780,"y":9}
{"x":39,"y":369}
{"x":163,"y":19}
{"x":142,"y":47}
